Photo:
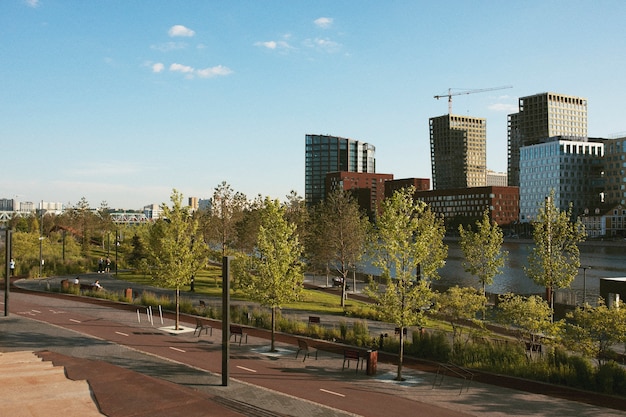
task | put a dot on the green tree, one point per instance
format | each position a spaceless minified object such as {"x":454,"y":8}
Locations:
{"x":530,"y":317}
{"x":409,"y":240}
{"x":340,"y":235}
{"x":593,"y":330}
{"x":225,"y":212}
{"x":176,"y":248}
{"x":273,"y":275}
{"x":555,"y":258}
{"x":482,"y":248}
{"x":459,"y":306}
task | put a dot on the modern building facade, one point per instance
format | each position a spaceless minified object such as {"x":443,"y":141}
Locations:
{"x":543,"y":116}
{"x":458,"y":151}
{"x":324,"y":154}
{"x":496,"y":179}
{"x":609,"y":221}
{"x":466,"y":205}
{"x":615,"y":171}
{"x":420,"y":184}
{"x":367,"y":188}
{"x":573,"y":169}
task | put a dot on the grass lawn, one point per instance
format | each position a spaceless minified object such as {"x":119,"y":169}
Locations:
{"x":209,"y":283}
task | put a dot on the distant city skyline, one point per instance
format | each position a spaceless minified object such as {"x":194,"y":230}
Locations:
{"x":123,"y":101}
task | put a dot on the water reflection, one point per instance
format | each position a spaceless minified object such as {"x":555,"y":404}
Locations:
{"x":605,"y":259}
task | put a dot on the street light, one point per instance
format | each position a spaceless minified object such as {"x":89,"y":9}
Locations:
{"x":584,"y":268}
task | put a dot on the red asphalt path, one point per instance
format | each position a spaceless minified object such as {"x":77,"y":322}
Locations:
{"x":122,"y":327}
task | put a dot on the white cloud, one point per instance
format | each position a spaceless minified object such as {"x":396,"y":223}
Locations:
{"x":32,"y":3}
{"x":180,"y":30}
{"x":322,"y":44}
{"x":185,"y":69}
{"x":274,"y":45}
{"x":158,"y":67}
{"x":169,"y":46}
{"x":218,"y":70}
{"x":268,"y":44}
{"x":504,"y":107}
{"x":323,"y":22}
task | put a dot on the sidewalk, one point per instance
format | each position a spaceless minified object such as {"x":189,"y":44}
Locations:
{"x":154,"y":378}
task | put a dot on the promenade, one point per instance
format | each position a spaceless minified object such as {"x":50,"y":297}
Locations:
{"x":138,"y":368}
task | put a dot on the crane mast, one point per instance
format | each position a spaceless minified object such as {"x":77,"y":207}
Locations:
{"x":463,"y":92}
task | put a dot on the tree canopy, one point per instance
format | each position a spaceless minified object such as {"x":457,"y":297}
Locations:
{"x":555,"y":258}
{"x":272,"y":275}
{"x":408,"y":243}
{"x":176,"y":248}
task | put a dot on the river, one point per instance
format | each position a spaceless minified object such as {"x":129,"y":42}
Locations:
{"x":605,"y":259}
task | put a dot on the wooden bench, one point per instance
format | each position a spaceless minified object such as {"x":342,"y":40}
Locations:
{"x":303,"y":347}
{"x":201,"y":326}
{"x":314,"y":320}
{"x":352,"y":355}
{"x":237,"y":330}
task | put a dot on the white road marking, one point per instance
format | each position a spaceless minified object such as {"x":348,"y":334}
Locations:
{"x":246,"y":369}
{"x":122,"y":334}
{"x":178,"y":350}
{"x":36,"y":311}
{"x":75,"y":321}
{"x":332,"y":392}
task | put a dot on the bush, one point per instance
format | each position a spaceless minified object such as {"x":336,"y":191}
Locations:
{"x":611,"y":378}
{"x":428,"y":345}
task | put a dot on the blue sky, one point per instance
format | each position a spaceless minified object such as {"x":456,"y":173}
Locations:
{"x":122,"y":101}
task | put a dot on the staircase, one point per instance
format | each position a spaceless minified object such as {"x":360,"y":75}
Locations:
{"x":34,"y":388}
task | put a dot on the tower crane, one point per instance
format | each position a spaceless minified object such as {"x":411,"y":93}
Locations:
{"x":462,"y":92}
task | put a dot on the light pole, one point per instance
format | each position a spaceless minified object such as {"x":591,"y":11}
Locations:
{"x":584,"y":268}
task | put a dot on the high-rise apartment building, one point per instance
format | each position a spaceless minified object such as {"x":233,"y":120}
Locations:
{"x":324,"y":154}
{"x":573,"y":169}
{"x":458,"y":151}
{"x":615,"y":171}
{"x":540,"y":117}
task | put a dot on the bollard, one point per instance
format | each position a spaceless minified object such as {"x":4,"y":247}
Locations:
{"x":372,"y":362}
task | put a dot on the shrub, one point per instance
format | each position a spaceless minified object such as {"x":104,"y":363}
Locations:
{"x":611,"y":378}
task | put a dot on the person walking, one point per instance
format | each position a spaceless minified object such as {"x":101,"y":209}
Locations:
{"x":12,"y":267}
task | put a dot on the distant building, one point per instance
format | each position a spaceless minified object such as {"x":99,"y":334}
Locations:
{"x":153,"y":211}
{"x":496,"y":179}
{"x":51,"y":208}
{"x":193,"y":203}
{"x":420,"y":184}
{"x":8,"y":204}
{"x":367,"y":188}
{"x":609,"y":221}
{"x":543,"y":116}
{"x":204,"y":204}
{"x":615,"y":171}
{"x":324,"y":154}
{"x":458,"y":151}
{"x":573,"y":169}
{"x":466,"y":205}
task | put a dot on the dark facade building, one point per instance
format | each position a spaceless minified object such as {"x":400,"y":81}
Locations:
{"x":458,"y":151}
{"x":324,"y":154}
{"x":367,"y":188}
{"x":467,"y":205}
{"x":420,"y":184}
{"x":542,"y":116}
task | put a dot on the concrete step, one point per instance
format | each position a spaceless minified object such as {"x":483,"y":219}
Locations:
{"x":33,"y":388}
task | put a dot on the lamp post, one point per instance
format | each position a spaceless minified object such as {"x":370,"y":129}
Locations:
{"x":584,"y":268}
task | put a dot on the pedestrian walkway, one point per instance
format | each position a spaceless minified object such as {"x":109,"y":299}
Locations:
{"x":262,"y":383}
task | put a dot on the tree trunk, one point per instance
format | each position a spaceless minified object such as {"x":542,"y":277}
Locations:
{"x":177,"y":308}
{"x":401,"y":355}
{"x":272,"y":346}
